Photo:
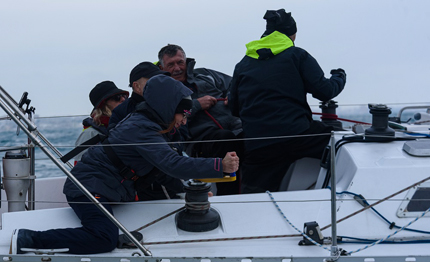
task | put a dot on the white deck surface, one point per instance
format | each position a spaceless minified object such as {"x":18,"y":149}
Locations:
{"x":374,"y":171}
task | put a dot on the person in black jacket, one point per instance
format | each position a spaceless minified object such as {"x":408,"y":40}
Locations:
{"x":268,"y":93}
{"x":139,"y":75}
{"x":143,"y":142}
{"x":210,"y":118}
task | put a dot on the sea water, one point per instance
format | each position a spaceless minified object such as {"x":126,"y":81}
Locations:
{"x":61,"y":132}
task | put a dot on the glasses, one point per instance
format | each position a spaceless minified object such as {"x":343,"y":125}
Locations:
{"x":187,"y":114}
{"x":117,"y":97}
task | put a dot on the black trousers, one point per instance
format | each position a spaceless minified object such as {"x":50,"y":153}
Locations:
{"x":220,"y":149}
{"x":97,"y":235}
{"x":264,"y":168}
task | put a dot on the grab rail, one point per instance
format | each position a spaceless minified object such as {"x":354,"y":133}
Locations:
{"x":6,"y":99}
{"x":399,"y":115}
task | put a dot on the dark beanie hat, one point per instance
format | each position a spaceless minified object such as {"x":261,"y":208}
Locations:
{"x":279,"y":21}
{"x":103,"y":91}
{"x":145,"y":69}
{"x":184,"y":106}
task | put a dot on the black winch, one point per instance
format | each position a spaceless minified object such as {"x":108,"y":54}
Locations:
{"x":329,"y":117}
{"x":379,"y":131}
{"x":198,"y":216}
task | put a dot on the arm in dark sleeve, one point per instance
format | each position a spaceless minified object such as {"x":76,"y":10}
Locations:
{"x":196,"y":108}
{"x":159,"y":154}
{"x":314,"y":81}
{"x":222,"y":81}
{"x":171,"y":183}
{"x":233,"y":102}
{"x":116,"y":117}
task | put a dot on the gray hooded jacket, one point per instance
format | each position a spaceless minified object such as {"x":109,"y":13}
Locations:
{"x":216,"y":84}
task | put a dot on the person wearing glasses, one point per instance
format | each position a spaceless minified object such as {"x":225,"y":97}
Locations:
{"x":105,"y":97}
{"x":143,"y":142}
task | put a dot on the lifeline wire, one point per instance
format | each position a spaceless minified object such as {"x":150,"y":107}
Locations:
{"x":159,"y":219}
{"x":204,"y":141}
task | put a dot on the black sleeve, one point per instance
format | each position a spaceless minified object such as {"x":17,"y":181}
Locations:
{"x":315,"y":82}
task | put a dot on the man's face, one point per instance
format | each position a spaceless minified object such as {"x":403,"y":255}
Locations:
{"x":176,"y":66}
{"x":139,"y":85}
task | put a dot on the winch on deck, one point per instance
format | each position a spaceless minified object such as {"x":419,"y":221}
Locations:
{"x":198,"y":216}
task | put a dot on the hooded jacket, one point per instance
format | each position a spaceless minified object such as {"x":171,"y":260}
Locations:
{"x":216,"y":84}
{"x":269,"y":88}
{"x":138,"y":143}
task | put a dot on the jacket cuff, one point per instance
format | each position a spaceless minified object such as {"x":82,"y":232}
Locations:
{"x":196,"y":107}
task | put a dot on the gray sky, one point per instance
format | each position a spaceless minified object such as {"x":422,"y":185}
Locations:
{"x":59,"y":50}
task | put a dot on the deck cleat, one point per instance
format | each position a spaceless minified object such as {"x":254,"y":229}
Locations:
{"x":312,"y":230}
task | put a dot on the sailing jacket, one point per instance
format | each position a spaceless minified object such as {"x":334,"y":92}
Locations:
{"x":269,"y":88}
{"x":123,"y":109}
{"x":209,"y":82}
{"x":139,"y":145}
{"x":91,"y":129}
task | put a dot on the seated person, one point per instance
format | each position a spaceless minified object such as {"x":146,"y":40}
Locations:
{"x":105,"y":97}
{"x":139,"y":75}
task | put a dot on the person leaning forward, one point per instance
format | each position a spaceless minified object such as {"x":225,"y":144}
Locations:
{"x":210,"y":118}
{"x":138,"y":78}
{"x":144,"y":135}
{"x":268,"y":92}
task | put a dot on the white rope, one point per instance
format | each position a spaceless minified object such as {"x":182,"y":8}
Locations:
{"x":288,"y":221}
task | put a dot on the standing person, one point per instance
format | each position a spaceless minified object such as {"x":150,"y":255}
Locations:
{"x":147,"y":136}
{"x":139,"y":75}
{"x":268,"y":93}
{"x":105,"y":97}
{"x":210,"y":118}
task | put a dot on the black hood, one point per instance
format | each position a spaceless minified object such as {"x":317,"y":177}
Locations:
{"x":163,"y":94}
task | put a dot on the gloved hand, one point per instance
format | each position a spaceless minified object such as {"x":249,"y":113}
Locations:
{"x":339,"y":72}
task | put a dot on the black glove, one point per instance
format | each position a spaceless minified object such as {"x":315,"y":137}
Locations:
{"x":340,"y":73}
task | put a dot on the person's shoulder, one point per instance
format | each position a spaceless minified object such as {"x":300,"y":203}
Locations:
{"x":86,"y":134}
{"x":122,"y":106}
{"x":208,"y":72}
{"x":295,"y":49}
{"x":298,"y":52}
{"x":137,"y":120}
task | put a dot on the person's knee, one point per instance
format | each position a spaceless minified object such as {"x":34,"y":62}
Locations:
{"x":109,"y":238}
